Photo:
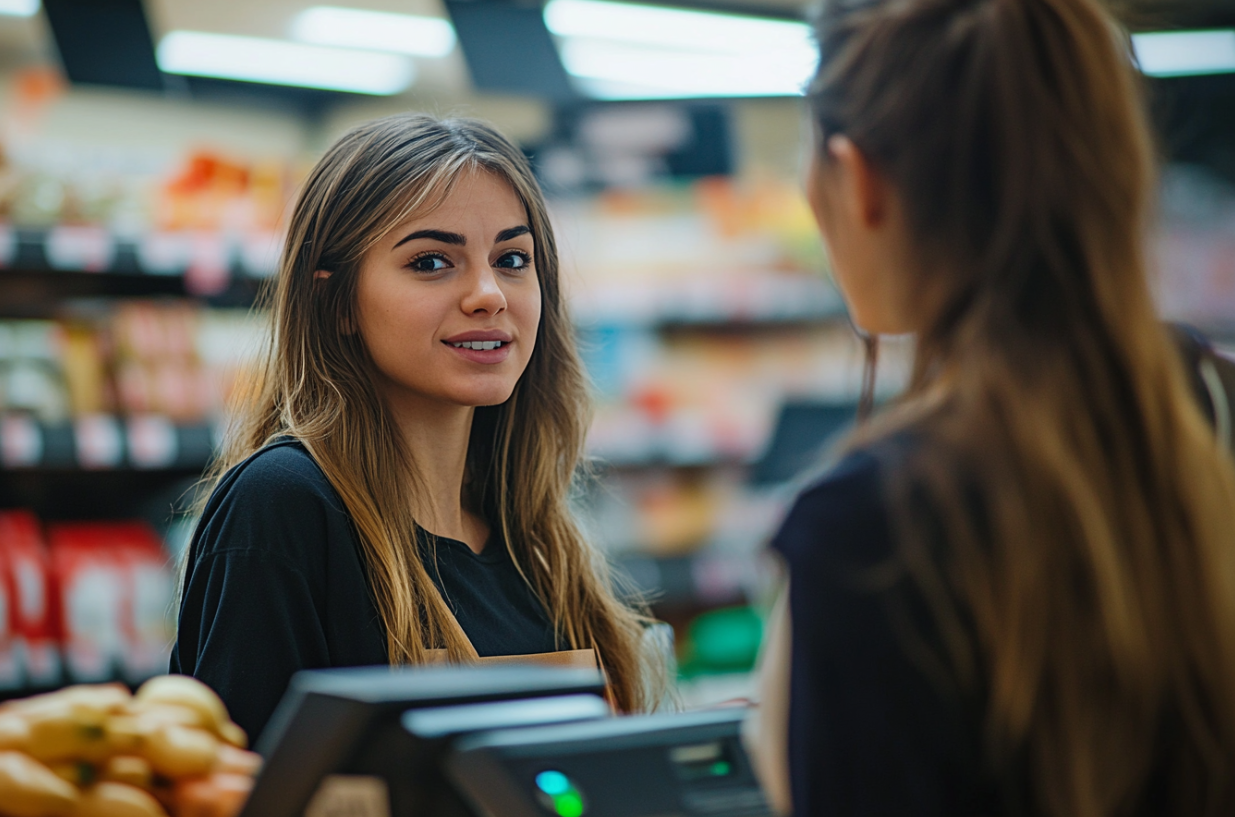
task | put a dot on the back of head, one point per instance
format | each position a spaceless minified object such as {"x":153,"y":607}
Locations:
{"x":1088,"y":514}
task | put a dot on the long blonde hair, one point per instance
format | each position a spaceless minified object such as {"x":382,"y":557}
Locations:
{"x":1062,"y":506}
{"x":317,"y":385}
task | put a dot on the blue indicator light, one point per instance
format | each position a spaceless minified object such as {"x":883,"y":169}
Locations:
{"x":552,"y":783}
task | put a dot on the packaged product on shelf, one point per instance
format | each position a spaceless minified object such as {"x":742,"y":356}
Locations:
{"x":11,"y":676}
{"x":91,"y":586}
{"x":31,"y":379}
{"x":33,"y":613}
{"x":115,"y":592}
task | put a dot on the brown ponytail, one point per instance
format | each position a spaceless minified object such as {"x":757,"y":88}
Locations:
{"x":1096,"y":582}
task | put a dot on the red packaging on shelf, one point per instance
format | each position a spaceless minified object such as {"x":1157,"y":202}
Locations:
{"x":147,"y":627}
{"x":92,"y":585}
{"x":35,"y":625}
{"x":11,"y":675}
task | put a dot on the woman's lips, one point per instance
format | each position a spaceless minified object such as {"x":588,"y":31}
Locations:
{"x":488,"y":356}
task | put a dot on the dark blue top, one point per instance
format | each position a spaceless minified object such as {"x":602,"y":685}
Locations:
{"x":276,"y":583}
{"x":870,"y":733}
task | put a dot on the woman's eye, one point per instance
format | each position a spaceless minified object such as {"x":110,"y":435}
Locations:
{"x":514,"y":260}
{"x":430,"y":262}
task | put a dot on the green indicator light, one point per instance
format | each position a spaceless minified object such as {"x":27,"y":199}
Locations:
{"x":552,"y":783}
{"x":569,"y":804}
{"x":720,"y":768}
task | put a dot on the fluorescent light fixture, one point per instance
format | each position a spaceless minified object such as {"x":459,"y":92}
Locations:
{"x":620,"y":71}
{"x":278,"y":62}
{"x":1185,"y":53}
{"x":627,"y":51}
{"x":374,"y":31}
{"x":675,"y":28}
{"x":19,"y":8}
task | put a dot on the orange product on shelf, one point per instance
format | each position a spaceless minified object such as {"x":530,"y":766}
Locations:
{"x":35,"y":626}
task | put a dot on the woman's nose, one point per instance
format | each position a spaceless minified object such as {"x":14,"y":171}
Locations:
{"x":483,"y":293}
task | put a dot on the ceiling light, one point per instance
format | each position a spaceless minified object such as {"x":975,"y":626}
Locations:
{"x":676,"y":28}
{"x":374,"y":31}
{"x":621,"y":71}
{"x":278,"y":62}
{"x":1185,"y":53}
{"x":628,"y":51}
{"x":19,"y":8}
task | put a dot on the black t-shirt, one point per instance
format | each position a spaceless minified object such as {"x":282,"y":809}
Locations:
{"x":869,"y":732}
{"x":276,"y":583}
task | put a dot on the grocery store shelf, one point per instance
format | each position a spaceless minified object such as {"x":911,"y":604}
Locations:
{"x":703,"y":579}
{"x":104,"y":443}
{"x":42,"y":265}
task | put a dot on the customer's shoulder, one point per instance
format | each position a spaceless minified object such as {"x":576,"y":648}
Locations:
{"x":855,"y":481}
{"x":844,"y":513}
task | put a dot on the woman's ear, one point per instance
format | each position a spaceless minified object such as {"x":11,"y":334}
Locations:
{"x":322,"y":275}
{"x":863,"y":188}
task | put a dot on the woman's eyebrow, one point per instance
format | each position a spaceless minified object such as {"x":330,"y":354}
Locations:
{"x":511,"y":232}
{"x":437,"y":235}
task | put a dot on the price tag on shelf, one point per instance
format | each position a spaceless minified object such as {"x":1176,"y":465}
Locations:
{"x":259,"y":254}
{"x":152,"y":441}
{"x":80,"y":248}
{"x":99,"y":441}
{"x":8,"y":244}
{"x":164,"y":253}
{"x":209,"y":266}
{"x":21,"y":441}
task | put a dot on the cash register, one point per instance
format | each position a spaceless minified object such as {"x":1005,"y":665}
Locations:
{"x":492,"y":741}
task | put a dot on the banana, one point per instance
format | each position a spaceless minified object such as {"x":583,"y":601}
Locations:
{"x":30,"y":789}
{"x":179,"y":751}
{"x":76,"y":772}
{"x":71,"y":724}
{"x":184,"y":691}
{"x":117,"y":800}
{"x":135,"y":771}
{"x":237,"y":761}
{"x":220,"y":795}
{"x":14,"y":731}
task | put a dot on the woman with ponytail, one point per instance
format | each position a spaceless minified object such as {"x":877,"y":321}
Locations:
{"x":1015,"y":594}
{"x":396,"y":491}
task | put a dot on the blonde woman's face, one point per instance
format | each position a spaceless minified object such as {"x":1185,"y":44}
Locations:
{"x":448,"y":303}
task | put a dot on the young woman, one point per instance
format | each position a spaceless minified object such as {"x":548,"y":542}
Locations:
{"x":1016,"y":592}
{"x":399,"y":483}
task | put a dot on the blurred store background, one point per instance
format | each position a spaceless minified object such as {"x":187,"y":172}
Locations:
{"x":148,"y":152}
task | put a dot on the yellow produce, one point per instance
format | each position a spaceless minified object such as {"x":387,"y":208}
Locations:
{"x":71,"y":724}
{"x":117,"y":800}
{"x":233,"y":734}
{"x":181,"y":690}
{"x":14,"y":731}
{"x":237,"y":761}
{"x":220,"y":795}
{"x":135,"y":771}
{"x":180,"y":751}
{"x":124,"y":734}
{"x":63,"y":730}
{"x":30,"y":789}
{"x":76,"y":772}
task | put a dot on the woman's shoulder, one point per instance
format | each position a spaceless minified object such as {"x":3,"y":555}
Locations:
{"x":282,"y":471}
{"x":844,"y":513}
{"x":277,"y":495}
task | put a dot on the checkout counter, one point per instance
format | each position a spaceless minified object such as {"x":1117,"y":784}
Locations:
{"x":493,"y":741}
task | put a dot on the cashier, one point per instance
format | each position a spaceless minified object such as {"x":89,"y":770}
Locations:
{"x":1015,"y":592}
{"x":394,"y":488}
